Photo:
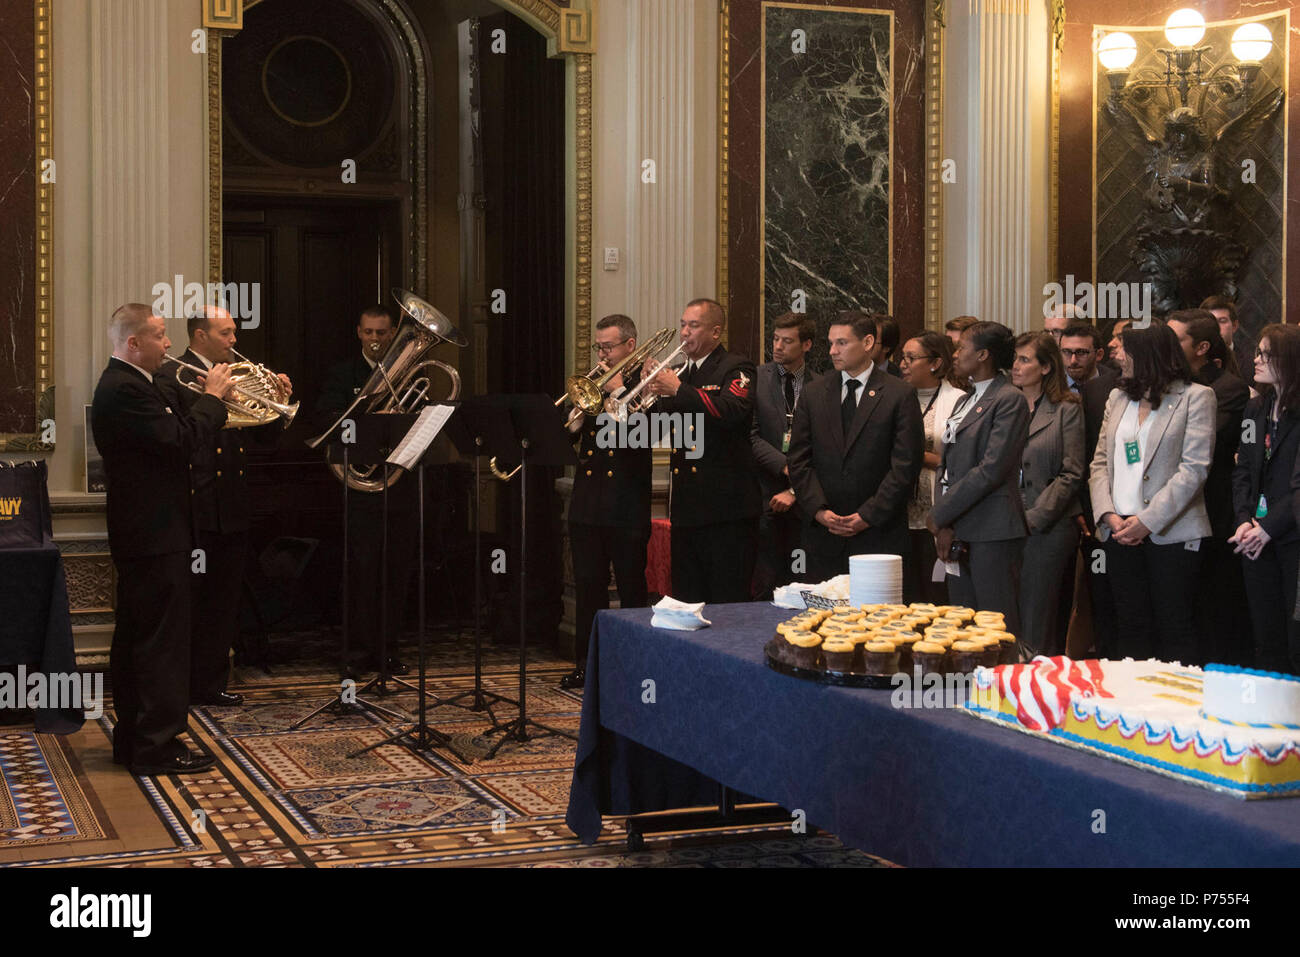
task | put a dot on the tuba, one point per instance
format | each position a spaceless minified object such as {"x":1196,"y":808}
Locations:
{"x":400,"y":383}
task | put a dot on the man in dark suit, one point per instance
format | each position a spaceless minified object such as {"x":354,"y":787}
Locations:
{"x":221,"y":518}
{"x":147,"y":437}
{"x":1084,"y":352}
{"x":609,"y":511}
{"x":715,"y":497}
{"x":857,"y":449}
{"x":1225,"y":617}
{"x":1237,"y":338}
{"x":778,"y":390}
{"x":343,"y":382}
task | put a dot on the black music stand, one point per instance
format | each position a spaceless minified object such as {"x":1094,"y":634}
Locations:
{"x":542,"y":439}
{"x":482,"y":426}
{"x":420,"y":736}
{"x":374,"y":435}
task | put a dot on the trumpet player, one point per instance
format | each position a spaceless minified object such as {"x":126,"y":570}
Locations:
{"x":146,"y":438}
{"x":715,"y":496}
{"x":609,"y":513}
{"x":219,"y":467}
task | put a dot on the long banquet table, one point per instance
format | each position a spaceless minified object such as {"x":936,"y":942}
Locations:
{"x":669,"y":714}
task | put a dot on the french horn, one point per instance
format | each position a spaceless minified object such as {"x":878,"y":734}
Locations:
{"x":401,"y":383}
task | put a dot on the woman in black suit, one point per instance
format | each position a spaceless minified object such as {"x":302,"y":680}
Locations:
{"x":977,"y":502}
{"x":1264,"y":486}
{"x":1050,"y":482}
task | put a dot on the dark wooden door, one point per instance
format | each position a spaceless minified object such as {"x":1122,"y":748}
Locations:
{"x":318,"y":265}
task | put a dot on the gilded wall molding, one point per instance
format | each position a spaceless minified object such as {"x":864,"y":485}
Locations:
{"x":577,"y":32}
{"x":223,"y":14}
{"x":1054,"y":143}
{"x":582,"y":212}
{"x":724,"y":153}
{"x":933,"y":233}
{"x":44,"y":219}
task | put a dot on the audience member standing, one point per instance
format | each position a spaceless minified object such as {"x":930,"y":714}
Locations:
{"x":1147,"y":478}
{"x":1264,"y":487}
{"x":927,"y":367}
{"x":1221,"y":593}
{"x":779,"y":386}
{"x":1050,"y":482}
{"x":978,"y":504}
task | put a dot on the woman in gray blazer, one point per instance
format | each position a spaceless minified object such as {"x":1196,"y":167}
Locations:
{"x":977,"y":502}
{"x":1050,"y":480}
{"x":1147,"y":477}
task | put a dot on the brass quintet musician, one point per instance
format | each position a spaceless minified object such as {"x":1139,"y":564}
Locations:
{"x":343,"y":382}
{"x":609,"y":513}
{"x":147,"y":437}
{"x":221,"y":515}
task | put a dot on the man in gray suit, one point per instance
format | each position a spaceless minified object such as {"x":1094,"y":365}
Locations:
{"x":777,"y":393}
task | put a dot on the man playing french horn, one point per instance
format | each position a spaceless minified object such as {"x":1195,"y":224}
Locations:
{"x":609,"y":513}
{"x":222,"y":518}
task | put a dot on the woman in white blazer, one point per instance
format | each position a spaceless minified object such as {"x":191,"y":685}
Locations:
{"x":1157,"y":440}
{"x":926,"y":364}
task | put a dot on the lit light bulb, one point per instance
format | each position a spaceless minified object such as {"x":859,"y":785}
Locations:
{"x":1117,"y":51}
{"x":1251,"y":42}
{"x":1185,"y":28}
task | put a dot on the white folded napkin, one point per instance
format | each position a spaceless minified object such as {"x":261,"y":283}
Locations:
{"x":791,"y":596}
{"x":678,"y":615}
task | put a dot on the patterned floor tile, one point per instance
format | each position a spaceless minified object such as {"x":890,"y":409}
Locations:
{"x":320,"y":758}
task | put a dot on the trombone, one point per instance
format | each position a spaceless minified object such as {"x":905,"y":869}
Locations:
{"x":586,"y":392}
{"x":258,"y":404}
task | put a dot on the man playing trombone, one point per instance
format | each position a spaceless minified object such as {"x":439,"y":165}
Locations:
{"x":146,"y":438}
{"x":221,"y":515}
{"x":609,"y":513}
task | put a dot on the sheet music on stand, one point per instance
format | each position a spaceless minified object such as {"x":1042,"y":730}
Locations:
{"x":417,"y":441}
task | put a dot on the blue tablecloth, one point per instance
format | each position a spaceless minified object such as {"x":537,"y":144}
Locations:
{"x":918,"y":787}
{"x":36,"y":625}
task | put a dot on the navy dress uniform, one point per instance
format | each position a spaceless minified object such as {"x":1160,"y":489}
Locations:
{"x":344,"y":380}
{"x":146,"y":438}
{"x":609,"y":523}
{"x":715,"y":501}
{"x":222,"y":519}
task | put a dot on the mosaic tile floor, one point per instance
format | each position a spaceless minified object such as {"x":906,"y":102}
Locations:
{"x":294,"y":798}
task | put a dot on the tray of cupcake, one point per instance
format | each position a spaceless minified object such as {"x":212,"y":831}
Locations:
{"x":865,"y":646}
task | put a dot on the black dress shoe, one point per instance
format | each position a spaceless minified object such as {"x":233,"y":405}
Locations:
{"x":188,"y":764}
{"x":574,"y":679}
{"x":222,"y":699}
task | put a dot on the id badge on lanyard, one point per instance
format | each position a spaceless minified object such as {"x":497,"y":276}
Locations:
{"x":1132,"y":454}
{"x":789,"y":428}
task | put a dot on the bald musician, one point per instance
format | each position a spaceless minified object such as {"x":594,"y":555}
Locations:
{"x":147,"y":437}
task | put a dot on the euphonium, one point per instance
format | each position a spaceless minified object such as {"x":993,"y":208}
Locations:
{"x":260,"y":396}
{"x":400,"y":383}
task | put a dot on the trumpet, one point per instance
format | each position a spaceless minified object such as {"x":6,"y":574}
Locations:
{"x":628,"y":404}
{"x":261,"y":396}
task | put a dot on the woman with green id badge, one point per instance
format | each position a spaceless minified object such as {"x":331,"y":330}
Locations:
{"x":1157,"y":440}
{"x":1267,"y":537}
